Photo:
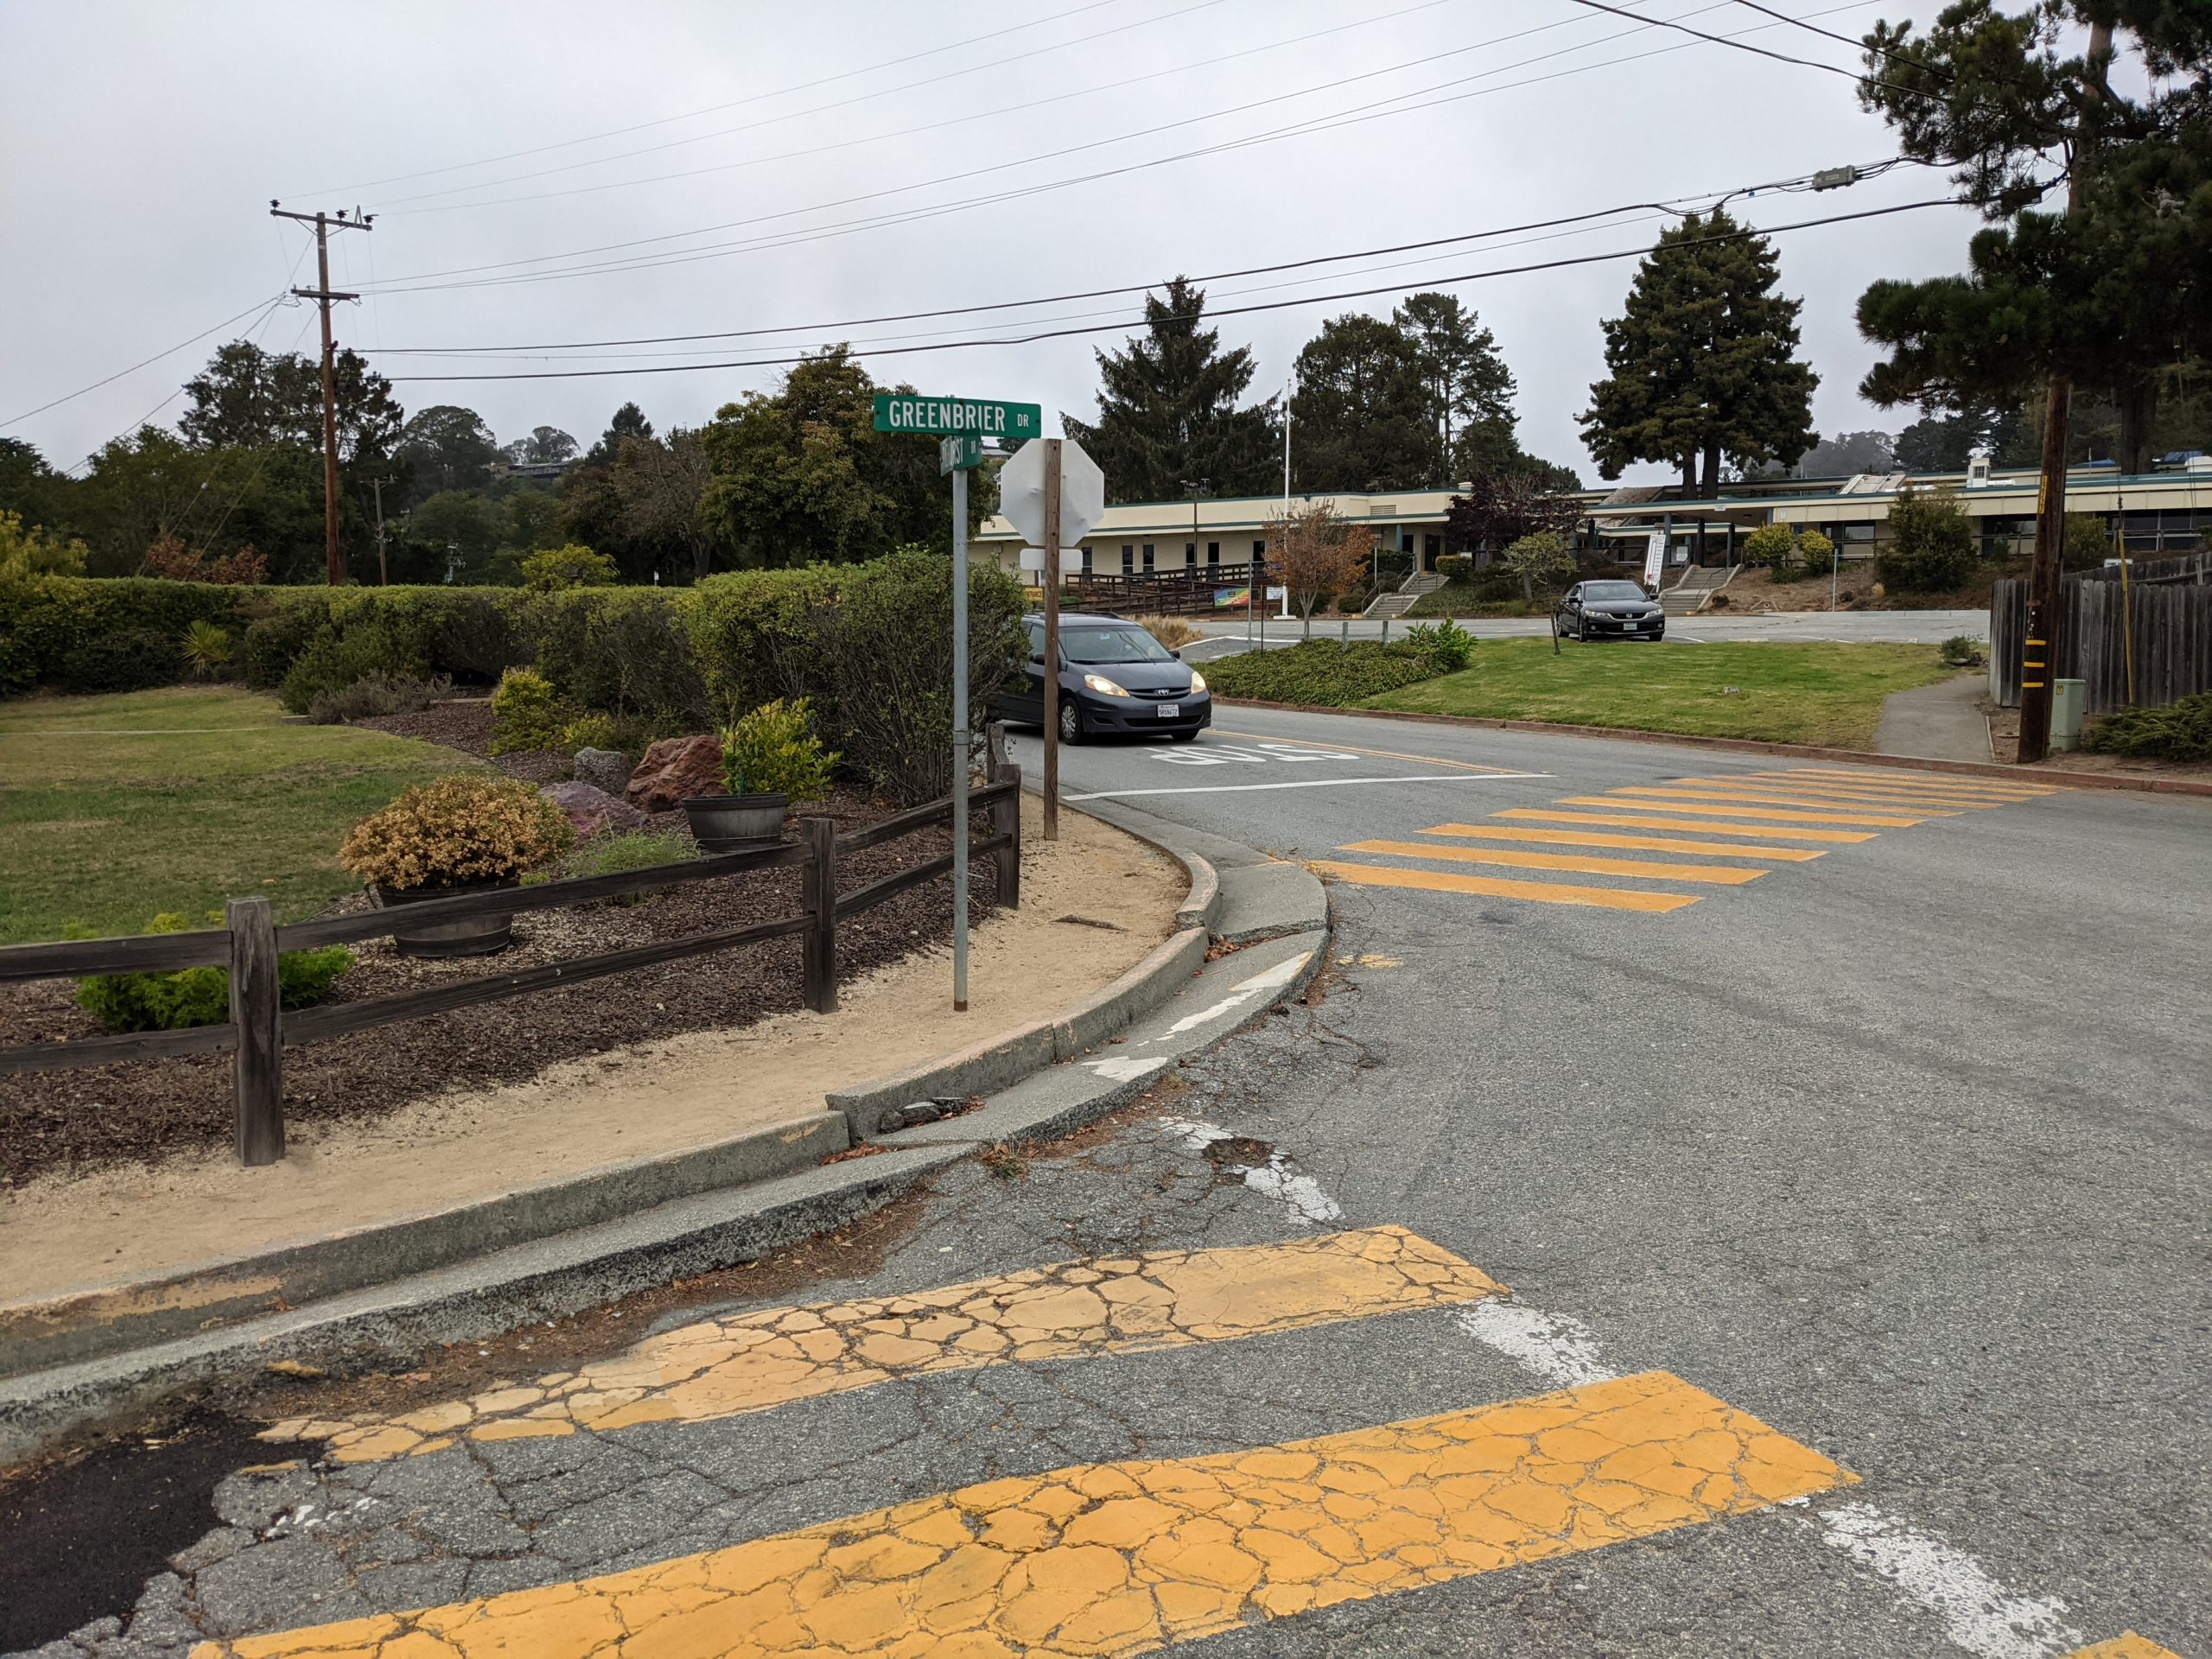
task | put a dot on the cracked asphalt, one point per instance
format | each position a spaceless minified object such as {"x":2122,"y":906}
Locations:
{"x":1902,"y":1152}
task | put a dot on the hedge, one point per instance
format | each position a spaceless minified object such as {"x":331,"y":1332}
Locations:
{"x":1322,"y":671}
{"x":85,"y":633}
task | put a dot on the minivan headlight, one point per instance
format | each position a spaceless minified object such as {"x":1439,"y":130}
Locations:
{"x":1102,"y":686}
{"x":1198,"y":681}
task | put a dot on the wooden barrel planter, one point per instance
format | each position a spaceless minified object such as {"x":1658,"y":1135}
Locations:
{"x":733,"y":823}
{"x":473,"y":936}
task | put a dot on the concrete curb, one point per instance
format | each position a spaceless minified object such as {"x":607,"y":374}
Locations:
{"x":1753,"y":745}
{"x":85,"y":1323}
{"x":593,"y":1264}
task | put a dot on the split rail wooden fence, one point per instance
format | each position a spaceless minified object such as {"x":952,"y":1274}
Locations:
{"x":249,"y":943}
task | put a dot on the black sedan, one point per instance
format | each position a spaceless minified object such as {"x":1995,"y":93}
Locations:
{"x":1601,"y":610}
{"x":1113,"y":678}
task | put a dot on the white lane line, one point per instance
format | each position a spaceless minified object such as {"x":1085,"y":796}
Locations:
{"x":1979,"y":1614}
{"x":1126,"y":1068}
{"x":1239,"y":993}
{"x":1301,"y":1194}
{"x":1306,"y":783}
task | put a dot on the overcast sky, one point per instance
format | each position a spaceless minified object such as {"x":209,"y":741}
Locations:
{"x":143,"y":143}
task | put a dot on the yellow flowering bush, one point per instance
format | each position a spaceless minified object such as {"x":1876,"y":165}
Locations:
{"x":460,"y":828}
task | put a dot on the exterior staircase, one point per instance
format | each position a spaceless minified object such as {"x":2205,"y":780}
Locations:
{"x":1395,"y":603}
{"x":1699,"y":583}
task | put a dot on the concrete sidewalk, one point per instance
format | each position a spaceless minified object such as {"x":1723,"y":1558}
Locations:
{"x":1935,"y":722}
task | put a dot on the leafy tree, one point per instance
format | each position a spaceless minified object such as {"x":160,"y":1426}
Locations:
{"x":555,"y":568}
{"x":1469,"y":390}
{"x":27,"y":550}
{"x":248,"y":398}
{"x":1701,"y":362}
{"x":629,"y":421}
{"x":446,"y":447}
{"x":1944,"y":438}
{"x":1500,"y":509}
{"x":1359,"y":415}
{"x":1168,"y":411}
{"x":28,"y":485}
{"x":545,"y":445}
{"x":1543,"y":559}
{"x":658,"y":486}
{"x":1317,"y":556}
{"x":173,"y":560}
{"x":463,"y":528}
{"x":1931,"y":546}
{"x":533,"y":520}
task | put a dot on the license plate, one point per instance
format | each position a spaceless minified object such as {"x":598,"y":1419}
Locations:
{"x":1170,"y":710}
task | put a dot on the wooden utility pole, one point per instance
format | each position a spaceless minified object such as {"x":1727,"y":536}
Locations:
{"x":1051,"y":637}
{"x":2039,"y":649}
{"x":333,"y":558}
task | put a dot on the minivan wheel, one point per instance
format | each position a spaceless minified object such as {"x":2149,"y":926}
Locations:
{"x":1071,"y":723}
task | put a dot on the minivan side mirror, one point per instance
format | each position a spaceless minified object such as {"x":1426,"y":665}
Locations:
{"x":1177,"y":655}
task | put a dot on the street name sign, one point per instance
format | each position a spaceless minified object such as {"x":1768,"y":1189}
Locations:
{"x":955,"y":453}
{"x":940,"y":417}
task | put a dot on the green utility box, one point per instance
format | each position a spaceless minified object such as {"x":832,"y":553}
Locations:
{"x":2070,"y":700}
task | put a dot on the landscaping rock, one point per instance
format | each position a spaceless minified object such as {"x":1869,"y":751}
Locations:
{"x":593,"y":812}
{"x":603,"y":769}
{"x":675,"y":767}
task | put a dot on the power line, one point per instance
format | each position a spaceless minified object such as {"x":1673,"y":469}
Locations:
{"x":397,"y":203}
{"x":143,"y":362}
{"x":715,"y":109}
{"x":1225,"y":311}
{"x":1673,"y":204}
{"x":1829,"y":34}
{"x":1723,"y":39}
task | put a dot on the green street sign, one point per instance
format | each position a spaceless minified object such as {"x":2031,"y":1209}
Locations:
{"x":939,"y":417}
{"x":957,"y":455}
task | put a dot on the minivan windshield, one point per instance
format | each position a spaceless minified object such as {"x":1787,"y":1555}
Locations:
{"x":1613,"y":590}
{"x":1130,"y":645}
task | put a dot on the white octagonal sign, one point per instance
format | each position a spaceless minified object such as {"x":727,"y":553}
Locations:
{"x":1022,"y":491}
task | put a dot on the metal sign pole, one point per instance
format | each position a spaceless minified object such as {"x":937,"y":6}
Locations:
{"x":960,"y":739}
{"x":1052,"y":538}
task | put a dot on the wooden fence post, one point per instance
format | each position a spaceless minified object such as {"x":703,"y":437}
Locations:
{"x":258,"y":1062}
{"x":819,"y":942}
{"x":994,"y":749}
{"x":1006,"y":820}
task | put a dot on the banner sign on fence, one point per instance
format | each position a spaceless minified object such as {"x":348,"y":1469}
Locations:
{"x":1224,"y":597}
{"x":942,"y":418}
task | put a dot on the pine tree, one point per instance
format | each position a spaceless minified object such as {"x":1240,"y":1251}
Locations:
{"x":1469,"y":388}
{"x":629,"y":421}
{"x":1168,"y":409}
{"x":1701,"y":361}
{"x":1360,"y":415}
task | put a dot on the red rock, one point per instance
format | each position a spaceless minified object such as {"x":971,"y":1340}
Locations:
{"x":675,"y":767}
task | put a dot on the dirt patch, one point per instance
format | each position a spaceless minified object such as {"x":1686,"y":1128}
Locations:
{"x":1754,"y":592}
{"x":2005,"y":740}
{"x":523,"y":1095}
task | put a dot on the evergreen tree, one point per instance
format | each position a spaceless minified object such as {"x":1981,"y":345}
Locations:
{"x":629,"y":421}
{"x":1168,"y":413}
{"x":1469,"y":388}
{"x":1701,"y":361}
{"x":1360,"y":415}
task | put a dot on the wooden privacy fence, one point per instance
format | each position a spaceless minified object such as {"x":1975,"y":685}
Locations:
{"x":2188,"y":567}
{"x":2167,"y":625}
{"x":248,"y":946}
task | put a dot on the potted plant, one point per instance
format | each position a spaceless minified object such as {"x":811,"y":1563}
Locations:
{"x":463,"y":834}
{"x":770,"y":758}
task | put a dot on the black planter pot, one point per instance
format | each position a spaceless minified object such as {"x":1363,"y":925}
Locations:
{"x":733,"y":824}
{"x":477,"y":936}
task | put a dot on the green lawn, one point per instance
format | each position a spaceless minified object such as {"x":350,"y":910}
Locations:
{"x":1783,"y":693}
{"x":114,"y":809}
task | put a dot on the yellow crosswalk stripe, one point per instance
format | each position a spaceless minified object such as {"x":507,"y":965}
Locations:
{"x":1884,"y":790}
{"x":750,"y":1362}
{"x":1640,"y":844}
{"x":1655,"y":800}
{"x":1633,"y":821}
{"x":1125,"y":1558}
{"x":1924,"y":781}
{"x":1848,"y":795}
{"x":1695,"y":791}
{"x":1725,"y":875}
{"x":1541,"y":892}
{"x":2126,"y":1645}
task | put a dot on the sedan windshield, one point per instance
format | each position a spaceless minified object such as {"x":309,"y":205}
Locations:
{"x":1613,"y":590}
{"x":1112,"y":646}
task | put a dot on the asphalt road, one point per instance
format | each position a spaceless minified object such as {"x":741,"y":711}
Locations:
{"x":1900,"y":1150}
{"x":1908,"y":627}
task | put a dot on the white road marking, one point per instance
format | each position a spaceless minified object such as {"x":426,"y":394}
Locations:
{"x":1125,"y":1068}
{"x":1239,"y":993}
{"x":1560,"y":1349}
{"x":1979,"y":1614}
{"x":1301,"y":1194}
{"x":1306,"y":783}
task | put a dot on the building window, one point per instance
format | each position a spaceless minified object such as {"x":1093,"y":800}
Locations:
{"x":1086,"y":561}
{"x":1259,"y":552}
{"x":1128,"y":558}
{"x":1213,"y":553}
{"x":1189,"y":554}
{"x":1147,"y":558}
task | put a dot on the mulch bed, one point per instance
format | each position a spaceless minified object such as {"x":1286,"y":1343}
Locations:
{"x":141,"y":1111}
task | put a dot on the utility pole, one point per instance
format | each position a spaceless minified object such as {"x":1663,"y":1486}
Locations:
{"x":334,"y":559}
{"x":384,"y":576}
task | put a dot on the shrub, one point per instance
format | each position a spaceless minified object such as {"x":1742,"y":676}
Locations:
{"x":527,"y":713}
{"x":480,"y":638}
{"x":27,"y":550}
{"x":1932,"y":545}
{"x":631,"y":850}
{"x":773,"y":751}
{"x":2180,"y":731}
{"x":1321,"y":672}
{"x":202,"y":996}
{"x":85,"y":633}
{"x":1170,"y":631}
{"x":626,"y":652}
{"x":1455,"y":567}
{"x":572,"y":566}
{"x":754,"y":637}
{"x":1539,"y":560}
{"x":467,"y":827}
{"x":2086,"y":543}
{"x":1960,"y":650}
{"x":1446,"y":644}
{"x":207,"y":649}
{"x":1772,"y":547}
{"x":170,"y":558}
{"x":339,"y":655}
{"x":375,"y":694}
{"x":277,"y":640}
{"x":1817,"y":553}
